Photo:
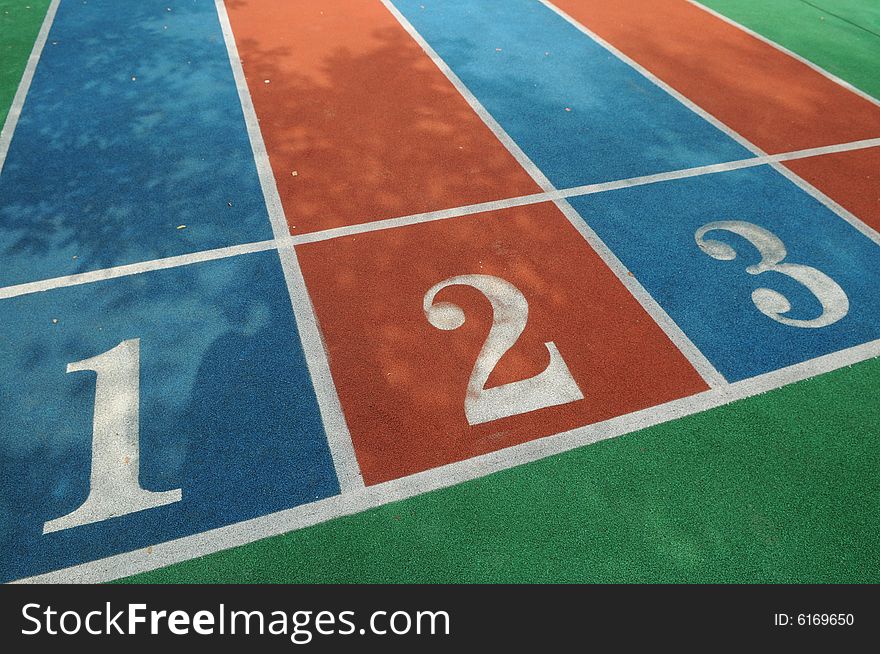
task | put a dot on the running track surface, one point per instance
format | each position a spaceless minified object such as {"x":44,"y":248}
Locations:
{"x":283,"y":237}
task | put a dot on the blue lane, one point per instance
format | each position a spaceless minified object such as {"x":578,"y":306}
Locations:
{"x":652,"y":230}
{"x":227,"y":410}
{"x":103,"y":168}
{"x":577,"y":111}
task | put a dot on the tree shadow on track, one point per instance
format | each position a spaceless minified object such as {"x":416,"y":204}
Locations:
{"x":132,"y":127}
{"x":371,"y":131}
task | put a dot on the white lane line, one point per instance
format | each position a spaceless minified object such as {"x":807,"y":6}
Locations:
{"x":794,"y":55}
{"x":524,"y":200}
{"x":443,"y":214}
{"x":415,"y":219}
{"x":134,"y":269}
{"x":826,"y":149}
{"x":841,"y":211}
{"x":24,"y":85}
{"x":696,"y":358}
{"x":856,"y":222}
{"x":865,"y":229}
{"x":574,"y":191}
{"x":341,"y":448}
{"x":242,"y":533}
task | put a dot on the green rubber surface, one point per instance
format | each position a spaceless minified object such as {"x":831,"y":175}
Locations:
{"x":777,"y":488}
{"x":20,"y":22}
{"x":841,"y":36}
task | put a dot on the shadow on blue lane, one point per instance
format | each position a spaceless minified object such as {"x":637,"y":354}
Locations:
{"x":227,"y":410}
{"x":132,"y":127}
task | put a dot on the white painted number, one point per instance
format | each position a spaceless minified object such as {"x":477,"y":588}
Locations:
{"x":510,"y":309}
{"x":115,"y":488}
{"x":835,"y":304}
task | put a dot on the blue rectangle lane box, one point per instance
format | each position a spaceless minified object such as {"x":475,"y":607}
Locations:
{"x":142,"y":409}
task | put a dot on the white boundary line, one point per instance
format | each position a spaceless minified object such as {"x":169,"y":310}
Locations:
{"x":24,"y":84}
{"x":574,"y":191}
{"x":91,"y":276}
{"x":865,"y":229}
{"x":134,"y":269}
{"x":794,"y":55}
{"x":696,"y":358}
{"x":341,"y":448}
{"x":356,"y":501}
{"x":826,"y":149}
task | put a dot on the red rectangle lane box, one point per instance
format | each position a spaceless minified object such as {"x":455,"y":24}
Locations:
{"x":459,"y":337}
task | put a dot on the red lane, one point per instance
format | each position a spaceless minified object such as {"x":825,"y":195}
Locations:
{"x":359,"y":124}
{"x":403,"y":382}
{"x":852,"y":179}
{"x":770,"y":98}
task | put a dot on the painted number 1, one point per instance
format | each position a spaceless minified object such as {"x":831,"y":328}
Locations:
{"x":115,"y":488}
{"x":552,"y":387}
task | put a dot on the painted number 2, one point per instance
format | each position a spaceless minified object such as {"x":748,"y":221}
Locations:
{"x":115,"y":488}
{"x":552,"y":387}
{"x":835,"y":304}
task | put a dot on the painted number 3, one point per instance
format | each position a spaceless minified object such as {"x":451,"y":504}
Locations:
{"x":835,"y":304}
{"x":510,"y":312}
